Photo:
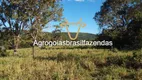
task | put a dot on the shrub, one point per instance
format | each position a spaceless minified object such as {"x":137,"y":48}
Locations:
{"x":3,"y":51}
{"x":61,"y":57}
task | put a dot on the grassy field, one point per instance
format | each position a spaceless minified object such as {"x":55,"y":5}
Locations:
{"x":72,"y":64}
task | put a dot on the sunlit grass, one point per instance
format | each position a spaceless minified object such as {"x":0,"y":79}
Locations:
{"x":69,"y":64}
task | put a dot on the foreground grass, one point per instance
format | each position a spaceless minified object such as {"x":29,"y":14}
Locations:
{"x":72,"y":64}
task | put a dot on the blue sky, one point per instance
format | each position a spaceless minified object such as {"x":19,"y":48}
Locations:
{"x":85,"y":9}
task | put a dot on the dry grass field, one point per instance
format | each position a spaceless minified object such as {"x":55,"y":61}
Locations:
{"x":71,"y":64}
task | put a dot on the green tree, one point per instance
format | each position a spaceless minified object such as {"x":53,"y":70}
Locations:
{"x":122,"y":21}
{"x":118,"y":13}
{"x":57,"y":34}
{"x":19,"y":15}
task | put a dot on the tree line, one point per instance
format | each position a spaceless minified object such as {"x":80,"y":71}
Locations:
{"x":121,"y":22}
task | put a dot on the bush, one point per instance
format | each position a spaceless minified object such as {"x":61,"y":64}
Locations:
{"x":134,"y":61}
{"x":2,"y":51}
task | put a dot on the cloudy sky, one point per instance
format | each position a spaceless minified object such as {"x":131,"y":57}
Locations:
{"x":85,"y":9}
